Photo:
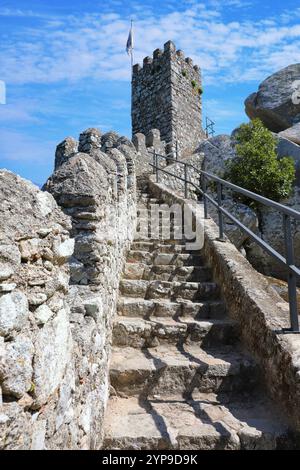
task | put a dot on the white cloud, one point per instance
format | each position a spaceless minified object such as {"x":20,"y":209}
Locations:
{"x":93,"y":46}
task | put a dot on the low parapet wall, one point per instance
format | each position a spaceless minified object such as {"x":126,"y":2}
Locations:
{"x":260,"y":312}
{"x":61,"y":258}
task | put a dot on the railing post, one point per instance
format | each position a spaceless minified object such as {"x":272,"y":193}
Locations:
{"x":204,"y":188}
{"x":156,"y":166}
{"x":292,"y":279}
{"x":220,"y":214}
{"x":185,"y":182}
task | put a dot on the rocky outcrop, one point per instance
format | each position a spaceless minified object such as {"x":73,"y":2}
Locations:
{"x":271,"y":229}
{"x":217,"y":150}
{"x":277,"y":103}
{"x":59,"y":275}
{"x":292,"y":134}
{"x":288,"y":148}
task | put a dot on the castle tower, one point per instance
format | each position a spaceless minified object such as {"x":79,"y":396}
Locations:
{"x":166,"y":95}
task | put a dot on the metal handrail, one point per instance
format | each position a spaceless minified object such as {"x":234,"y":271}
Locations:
{"x":288,"y":261}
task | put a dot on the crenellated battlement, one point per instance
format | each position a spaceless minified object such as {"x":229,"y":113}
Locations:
{"x":159,"y":56}
{"x":166,"y":95}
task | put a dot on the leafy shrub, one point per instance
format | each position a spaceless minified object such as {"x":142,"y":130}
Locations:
{"x":257,"y":167}
{"x":194,"y":83}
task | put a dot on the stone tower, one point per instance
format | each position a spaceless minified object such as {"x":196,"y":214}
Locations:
{"x":166,"y":95}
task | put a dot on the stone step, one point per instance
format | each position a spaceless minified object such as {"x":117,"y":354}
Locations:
{"x":140,"y":333}
{"x":146,"y":200}
{"x":159,"y":247}
{"x":175,"y":259}
{"x":164,"y":222}
{"x":138,"y":307}
{"x":140,"y":237}
{"x":204,"y":422}
{"x":168,"y":369}
{"x":169,"y":290}
{"x":162,"y":231}
{"x":167,"y":272}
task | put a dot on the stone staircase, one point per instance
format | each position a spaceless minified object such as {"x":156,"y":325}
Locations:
{"x":179,"y":377}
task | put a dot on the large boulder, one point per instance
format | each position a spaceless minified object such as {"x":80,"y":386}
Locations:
{"x":271,"y":227}
{"x":277,"y":102}
{"x":286,"y":148}
{"x":292,"y":133}
{"x":217,"y":150}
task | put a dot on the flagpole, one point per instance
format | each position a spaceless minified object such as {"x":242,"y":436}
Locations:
{"x":132,"y":48}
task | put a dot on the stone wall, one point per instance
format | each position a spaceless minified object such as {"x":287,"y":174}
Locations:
{"x":36,"y":367}
{"x":60,"y":272}
{"x":166,"y":95}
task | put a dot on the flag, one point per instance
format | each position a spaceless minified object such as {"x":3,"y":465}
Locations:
{"x":129,"y":45}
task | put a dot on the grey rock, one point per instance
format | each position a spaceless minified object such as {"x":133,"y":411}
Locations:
{"x":52,"y":354}
{"x":10,"y":254}
{"x":37,"y":298}
{"x":244,"y":214}
{"x":23,"y":212}
{"x":64,"y":251}
{"x":30,"y":249}
{"x":38,"y":435}
{"x":7,"y":287}
{"x":10,"y":259}
{"x":286,"y":148}
{"x":292,"y":134}
{"x":43,"y":314}
{"x":94,"y":307}
{"x":273,"y":102}
{"x":13,"y":312}
{"x":5,"y":272}
{"x":65,"y":402}
{"x":78,"y":182}
{"x":217,"y":150}
{"x":18,"y":366}
{"x":272,"y":233}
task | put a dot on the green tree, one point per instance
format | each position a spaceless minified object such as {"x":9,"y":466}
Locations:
{"x":256,"y":166}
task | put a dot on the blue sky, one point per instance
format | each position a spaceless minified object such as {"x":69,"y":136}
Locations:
{"x":65,"y":66}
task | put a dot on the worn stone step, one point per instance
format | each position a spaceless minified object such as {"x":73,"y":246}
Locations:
{"x":168,"y":369}
{"x":165,"y":223}
{"x":177,"y":259}
{"x":138,"y":307}
{"x":146,"y":200}
{"x":141,"y":333}
{"x":169,"y":290}
{"x":205,"y":422}
{"x":167,"y":272}
{"x":140,"y":237}
{"x":160,"y":231}
{"x":158,"y":247}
